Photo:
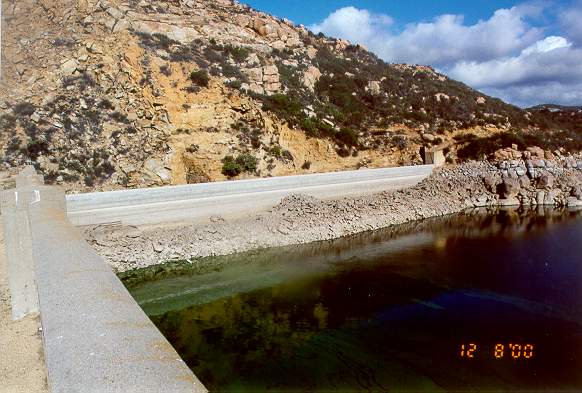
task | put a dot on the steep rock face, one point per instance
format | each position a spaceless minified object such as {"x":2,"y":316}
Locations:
{"x":105,"y":94}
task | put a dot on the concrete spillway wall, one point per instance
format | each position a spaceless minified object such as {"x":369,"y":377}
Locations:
{"x":96,"y":338}
{"x":231,"y":199}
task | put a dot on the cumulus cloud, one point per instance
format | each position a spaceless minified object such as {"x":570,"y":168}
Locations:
{"x":353,"y":24}
{"x":440,"y":42}
{"x":504,"y":55}
{"x":549,"y":60}
{"x":571,"y":20}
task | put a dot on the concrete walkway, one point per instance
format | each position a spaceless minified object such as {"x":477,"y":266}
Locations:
{"x":231,"y":199}
{"x":22,"y":367}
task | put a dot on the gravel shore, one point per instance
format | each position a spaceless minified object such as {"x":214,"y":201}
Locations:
{"x":301,"y":219}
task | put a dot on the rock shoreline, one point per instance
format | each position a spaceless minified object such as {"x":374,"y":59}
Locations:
{"x":301,"y":219}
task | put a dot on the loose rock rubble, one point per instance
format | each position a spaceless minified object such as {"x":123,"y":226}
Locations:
{"x":300,"y":219}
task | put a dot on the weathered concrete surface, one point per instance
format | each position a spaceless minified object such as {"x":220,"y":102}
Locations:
{"x":14,"y":206}
{"x":22,"y":368}
{"x":16,"y":227}
{"x":233,"y":199}
{"x":96,"y":337}
{"x":435,"y":156}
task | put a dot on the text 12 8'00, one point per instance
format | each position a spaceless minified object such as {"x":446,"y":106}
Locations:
{"x":498,"y":351}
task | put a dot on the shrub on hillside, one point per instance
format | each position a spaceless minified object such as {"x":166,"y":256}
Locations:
{"x":347,"y":136}
{"x":247,"y":162}
{"x":200,"y":78}
{"x":285,"y":106}
{"x":165,"y":70}
{"x":232,"y":167}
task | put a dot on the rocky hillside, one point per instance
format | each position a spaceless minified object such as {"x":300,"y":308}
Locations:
{"x":105,"y":94}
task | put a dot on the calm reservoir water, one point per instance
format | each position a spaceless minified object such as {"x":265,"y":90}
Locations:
{"x":471,"y":302}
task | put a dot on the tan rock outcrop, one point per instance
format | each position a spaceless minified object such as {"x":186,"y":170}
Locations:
{"x":311,"y":76}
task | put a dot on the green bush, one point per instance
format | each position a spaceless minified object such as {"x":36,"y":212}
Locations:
{"x":232,"y":167}
{"x":284,"y":106}
{"x":247,"y":162}
{"x":200,"y":78}
{"x":347,"y":136}
{"x":229,"y":167}
{"x":276,"y":151}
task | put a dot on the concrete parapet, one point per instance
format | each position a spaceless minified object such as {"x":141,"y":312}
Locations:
{"x":231,"y":199}
{"x":18,"y":245}
{"x":96,"y":337}
{"x":434,"y":157}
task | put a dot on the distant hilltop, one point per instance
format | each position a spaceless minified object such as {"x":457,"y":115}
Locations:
{"x":110,"y":94}
{"x":555,"y":108}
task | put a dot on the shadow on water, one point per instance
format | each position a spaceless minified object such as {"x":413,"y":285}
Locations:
{"x":387,"y":310}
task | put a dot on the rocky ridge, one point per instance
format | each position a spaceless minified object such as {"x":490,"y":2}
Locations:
{"x":109,"y":94}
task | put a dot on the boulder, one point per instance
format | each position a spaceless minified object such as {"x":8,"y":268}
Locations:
{"x":536,"y":152}
{"x":293,"y":42}
{"x":521,"y":171}
{"x":242,"y":20}
{"x":254,"y":74}
{"x":428,"y":137}
{"x":279,"y":45}
{"x":491,"y":181}
{"x":506,"y":154}
{"x":271,"y":78}
{"x":253,"y":59}
{"x":311,"y":52}
{"x":270,"y":70}
{"x":115,"y":13}
{"x":172,"y":29}
{"x":552,"y":197}
{"x":157,"y":167}
{"x":69,"y":67}
{"x":509,"y":188}
{"x":524,"y":181}
{"x":311,"y":76}
{"x":265,"y":28}
{"x":373,"y":87}
{"x":546,"y":181}
{"x":253,"y":87}
{"x":272,"y":87}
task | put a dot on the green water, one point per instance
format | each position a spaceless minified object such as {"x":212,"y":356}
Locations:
{"x":388,"y":310}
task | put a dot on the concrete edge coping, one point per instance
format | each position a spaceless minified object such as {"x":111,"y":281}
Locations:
{"x":96,"y":338}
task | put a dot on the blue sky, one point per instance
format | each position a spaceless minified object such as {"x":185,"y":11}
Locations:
{"x":311,"y":12}
{"x":525,"y":52}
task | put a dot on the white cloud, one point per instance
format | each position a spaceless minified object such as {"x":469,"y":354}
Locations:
{"x":546,"y":45}
{"x":440,"y":42}
{"x":549,"y":60}
{"x":571,"y":20}
{"x":353,"y":24}
{"x":547,"y":92}
{"x":504,"y":55}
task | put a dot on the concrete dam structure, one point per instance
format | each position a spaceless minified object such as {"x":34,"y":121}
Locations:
{"x":231,"y":199}
{"x":95,"y":336}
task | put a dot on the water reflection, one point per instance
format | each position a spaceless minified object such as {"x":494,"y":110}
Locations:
{"x":388,"y":310}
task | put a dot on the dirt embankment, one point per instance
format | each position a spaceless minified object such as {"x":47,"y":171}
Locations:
{"x":300,"y":219}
